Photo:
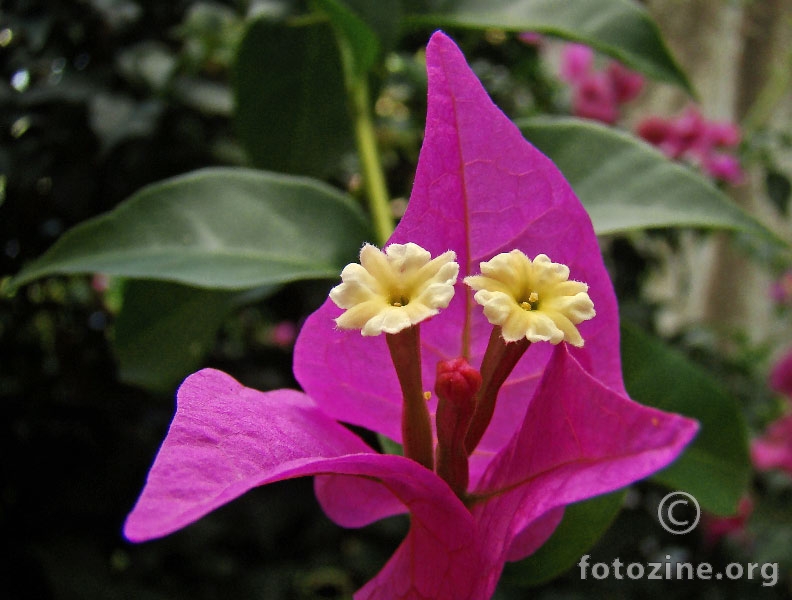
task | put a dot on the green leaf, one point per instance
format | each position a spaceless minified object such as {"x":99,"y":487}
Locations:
{"x":620,"y":28}
{"x":384,"y":17}
{"x":779,"y":190}
{"x":626,"y":184}
{"x":215,"y":228}
{"x":715,"y":468}
{"x":354,"y":34}
{"x":583,"y":524}
{"x":291,"y":113}
{"x":164,"y":330}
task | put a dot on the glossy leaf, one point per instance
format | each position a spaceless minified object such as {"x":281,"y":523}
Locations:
{"x":583,"y":524}
{"x":164,"y":330}
{"x":715,"y":468}
{"x":626,"y":184}
{"x":620,"y":28}
{"x":291,"y":112}
{"x":355,"y":35}
{"x":779,"y":190}
{"x":215,"y":228}
{"x":383,"y":17}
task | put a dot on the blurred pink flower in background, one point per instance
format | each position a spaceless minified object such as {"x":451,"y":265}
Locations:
{"x":283,"y":334}
{"x":781,"y":289}
{"x":597,"y":94}
{"x":577,"y":61}
{"x":692,"y":138}
{"x":725,"y":167}
{"x":100,"y":282}
{"x":780,"y":378}
{"x":774,"y":449}
{"x":626,"y":84}
{"x":531,"y":38}
{"x":716,"y":528}
{"x":594,"y":98}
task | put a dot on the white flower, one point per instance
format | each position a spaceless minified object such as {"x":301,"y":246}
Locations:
{"x":395,"y":289}
{"x":532,"y":299}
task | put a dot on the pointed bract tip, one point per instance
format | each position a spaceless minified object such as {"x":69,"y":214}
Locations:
{"x":439,"y":42}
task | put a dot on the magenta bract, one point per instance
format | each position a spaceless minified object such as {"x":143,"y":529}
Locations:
{"x":773,"y":450}
{"x":780,"y":378}
{"x":691,"y":137}
{"x":564,"y":429}
{"x":597,"y":94}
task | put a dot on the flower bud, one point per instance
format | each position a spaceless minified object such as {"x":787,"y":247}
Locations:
{"x":456,"y":386}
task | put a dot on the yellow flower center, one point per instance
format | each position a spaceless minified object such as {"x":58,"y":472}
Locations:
{"x":510,"y":287}
{"x":532,"y":303}
{"x":394,"y":289}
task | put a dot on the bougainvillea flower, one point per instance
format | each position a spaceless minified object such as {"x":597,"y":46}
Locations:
{"x":774,"y":449}
{"x":781,"y":294}
{"x":593,"y":97}
{"x":780,"y":378}
{"x":627,"y":84}
{"x":282,"y":334}
{"x":723,"y":134}
{"x":725,"y":167}
{"x":577,"y":61}
{"x":563,"y":429}
{"x":734,"y":526}
{"x":659,"y":132}
{"x":531,"y":38}
{"x":691,"y":137}
{"x":597,"y":94}
{"x":674,"y":136}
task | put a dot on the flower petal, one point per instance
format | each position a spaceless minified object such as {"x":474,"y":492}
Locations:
{"x":534,"y":534}
{"x":580,"y":439}
{"x":373,"y":501}
{"x":226,"y":439}
{"x":773,"y":450}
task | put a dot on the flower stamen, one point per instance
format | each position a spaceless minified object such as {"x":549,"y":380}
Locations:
{"x":532,"y":303}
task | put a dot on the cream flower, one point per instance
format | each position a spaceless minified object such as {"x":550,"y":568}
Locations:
{"x":532,"y":299}
{"x":395,"y":289}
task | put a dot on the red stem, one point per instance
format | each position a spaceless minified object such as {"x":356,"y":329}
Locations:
{"x":405,"y":350}
{"x":499,"y":361}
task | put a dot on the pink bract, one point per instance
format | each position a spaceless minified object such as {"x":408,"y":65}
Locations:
{"x":723,"y":134}
{"x":531,"y":38}
{"x":691,"y":137}
{"x":577,"y":61}
{"x":626,"y":84}
{"x":724,"y":167}
{"x":780,"y":378}
{"x":716,"y":528}
{"x":594,"y":97}
{"x":597,"y":94}
{"x":774,"y":449}
{"x":564,"y":428}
